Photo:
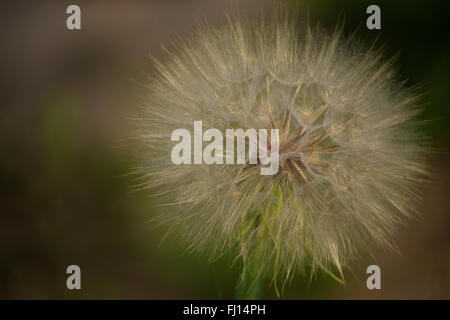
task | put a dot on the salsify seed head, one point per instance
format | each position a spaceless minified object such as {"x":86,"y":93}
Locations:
{"x":350,"y":154}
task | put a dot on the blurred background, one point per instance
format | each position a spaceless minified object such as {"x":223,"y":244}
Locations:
{"x":64,"y":194}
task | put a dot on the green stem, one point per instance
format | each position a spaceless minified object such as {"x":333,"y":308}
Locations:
{"x":252,"y":279}
{"x":249,"y":287}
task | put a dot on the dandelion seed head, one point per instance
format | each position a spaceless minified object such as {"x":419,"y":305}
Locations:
{"x":351,"y":159}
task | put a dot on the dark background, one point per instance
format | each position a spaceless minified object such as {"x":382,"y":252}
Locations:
{"x":64,"y":194}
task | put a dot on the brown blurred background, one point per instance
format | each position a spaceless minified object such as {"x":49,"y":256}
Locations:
{"x":64,"y":195}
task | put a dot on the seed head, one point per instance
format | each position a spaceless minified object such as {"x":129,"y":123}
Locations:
{"x":350,"y":153}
